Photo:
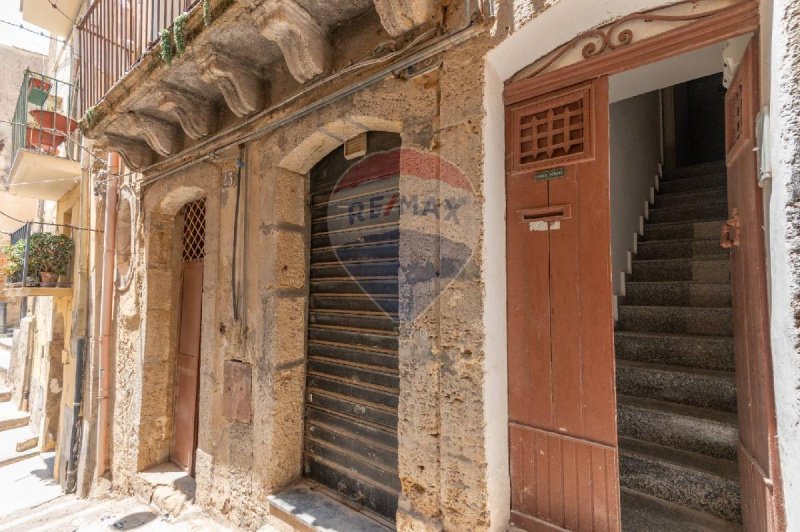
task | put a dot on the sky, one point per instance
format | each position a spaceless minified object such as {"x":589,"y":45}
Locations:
{"x":9,"y":12}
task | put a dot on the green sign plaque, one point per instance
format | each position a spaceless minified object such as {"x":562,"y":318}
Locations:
{"x":551,"y":173}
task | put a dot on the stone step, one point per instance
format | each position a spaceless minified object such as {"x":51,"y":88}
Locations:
{"x":695,"y":429}
{"x":677,"y":293}
{"x":11,"y":418}
{"x":669,"y":231}
{"x":695,"y":170}
{"x":701,"y":270}
{"x":17,"y":444}
{"x":685,"y":350}
{"x":691,"y":197}
{"x":694,"y":481}
{"x":685,"y":184}
{"x":5,"y":395}
{"x":645,"y":513}
{"x":682,"y":248}
{"x":688,"y":386}
{"x":717,"y":321}
{"x":694,"y":213}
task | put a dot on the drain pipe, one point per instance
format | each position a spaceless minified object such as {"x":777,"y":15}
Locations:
{"x":106,"y":299}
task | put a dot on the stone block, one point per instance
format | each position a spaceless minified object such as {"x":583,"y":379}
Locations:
{"x":285,"y":260}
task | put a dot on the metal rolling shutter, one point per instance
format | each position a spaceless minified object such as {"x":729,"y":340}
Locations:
{"x":352,"y":364}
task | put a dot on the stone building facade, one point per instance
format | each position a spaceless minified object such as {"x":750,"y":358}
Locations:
{"x":264,"y":96}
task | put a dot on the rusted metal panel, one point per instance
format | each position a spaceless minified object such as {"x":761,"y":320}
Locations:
{"x":352,"y":368}
{"x":762,"y":506}
{"x":562,"y":404}
{"x":238,"y":382}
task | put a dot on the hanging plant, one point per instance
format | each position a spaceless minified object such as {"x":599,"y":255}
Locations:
{"x":207,"y":12}
{"x":166,"y":47}
{"x":179,"y":33}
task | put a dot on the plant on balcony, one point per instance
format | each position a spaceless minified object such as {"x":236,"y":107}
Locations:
{"x":49,"y":256}
{"x":14,"y":255}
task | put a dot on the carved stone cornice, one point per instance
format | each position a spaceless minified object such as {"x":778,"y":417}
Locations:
{"x":137,"y":155}
{"x":243,"y":91}
{"x":196,"y":115}
{"x":163,"y":137}
{"x":401,"y":16}
{"x":304,"y":43}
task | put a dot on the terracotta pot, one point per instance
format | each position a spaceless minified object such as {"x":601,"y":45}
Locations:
{"x":51,"y":120}
{"x":45,"y":141}
{"x":48,"y":278}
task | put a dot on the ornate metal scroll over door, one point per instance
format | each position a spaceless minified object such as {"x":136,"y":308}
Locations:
{"x":187,"y":376}
{"x":562,"y":407}
{"x":744,"y":234}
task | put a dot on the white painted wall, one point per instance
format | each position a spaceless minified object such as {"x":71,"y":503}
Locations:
{"x":635,"y":126}
{"x":784,"y":238}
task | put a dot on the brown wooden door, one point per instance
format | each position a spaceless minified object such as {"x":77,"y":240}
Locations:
{"x":184,"y":434}
{"x":757,"y":452}
{"x":562,"y":405}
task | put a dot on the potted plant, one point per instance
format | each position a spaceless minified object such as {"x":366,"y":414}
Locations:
{"x":49,"y":255}
{"x":14,"y":259}
{"x":38,"y":90}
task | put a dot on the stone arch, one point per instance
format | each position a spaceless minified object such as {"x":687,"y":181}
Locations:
{"x":329,"y":137}
{"x":162,"y":222}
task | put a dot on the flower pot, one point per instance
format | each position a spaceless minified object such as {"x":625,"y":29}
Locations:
{"x":51,"y":120}
{"x":38,"y":89}
{"x":48,"y":278}
{"x":44,"y":141}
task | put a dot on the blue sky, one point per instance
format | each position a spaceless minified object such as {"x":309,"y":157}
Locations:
{"x":9,"y":11}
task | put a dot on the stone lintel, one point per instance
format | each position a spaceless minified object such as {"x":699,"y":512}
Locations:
{"x":242,"y":90}
{"x":196,"y":115}
{"x":304,"y":43}
{"x":401,"y":16}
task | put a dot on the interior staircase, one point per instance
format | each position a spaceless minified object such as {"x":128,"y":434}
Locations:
{"x":676,"y":391}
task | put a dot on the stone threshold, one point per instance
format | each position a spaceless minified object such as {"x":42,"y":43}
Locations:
{"x":166,"y":487}
{"x":307,"y":507}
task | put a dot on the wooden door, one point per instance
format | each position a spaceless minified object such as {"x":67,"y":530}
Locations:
{"x":744,"y":235}
{"x":562,"y":405}
{"x":187,"y":378}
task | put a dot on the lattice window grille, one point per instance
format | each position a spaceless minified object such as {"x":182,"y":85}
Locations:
{"x":194,"y":230}
{"x":736,"y":115}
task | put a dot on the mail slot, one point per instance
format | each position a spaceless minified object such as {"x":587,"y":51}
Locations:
{"x":545,"y":214}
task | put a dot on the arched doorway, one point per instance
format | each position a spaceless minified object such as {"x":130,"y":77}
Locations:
{"x":187,"y":371}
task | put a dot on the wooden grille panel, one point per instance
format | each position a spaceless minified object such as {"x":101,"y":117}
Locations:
{"x":194,"y":230}
{"x":549,"y":131}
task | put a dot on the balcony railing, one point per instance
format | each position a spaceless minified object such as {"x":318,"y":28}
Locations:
{"x":44,"y":118}
{"x":113,"y":36}
{"x":40,"y":257}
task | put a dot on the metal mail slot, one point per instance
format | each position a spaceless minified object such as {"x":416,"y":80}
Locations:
{"x":545,"y":218}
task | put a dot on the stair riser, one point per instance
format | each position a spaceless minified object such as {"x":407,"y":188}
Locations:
{"x":5,"y":397}
{"x":701,"y":491}
{"x":686,"y":199}
{"x":691,"y":389}
{"x":13,"y":423}
{"x":701,"y":230}
{"x":678,"y":294}
{"x":668,"y":186}
{"x":700,"y":271}
{"x":695,"y":170}
{"x":681,"y":249}
{"x":678,"y":431}
{"x":695,"y":320}
{"x":688,"y":214}
{"x":703,"y":353}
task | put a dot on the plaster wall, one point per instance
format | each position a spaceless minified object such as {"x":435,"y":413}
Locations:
{"x":635,"y":154}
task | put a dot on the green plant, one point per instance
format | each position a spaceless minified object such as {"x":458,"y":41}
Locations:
{"x":14,"y":255}
{"x":50,"y":253}
{"x":179,"y":33}
{"x":166,"y":47}
{"x":207,"y":12}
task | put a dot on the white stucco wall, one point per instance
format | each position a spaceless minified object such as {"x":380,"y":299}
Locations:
{"x":635,"y":155}
{"x":784,"y":73}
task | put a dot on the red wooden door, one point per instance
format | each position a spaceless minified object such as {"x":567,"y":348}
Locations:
{"x":744,"y":234}
{"x":562,"y":405}
{"x":184,"y":432}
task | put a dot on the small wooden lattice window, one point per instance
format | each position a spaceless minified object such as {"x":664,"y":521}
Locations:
{"x":735,"y":118}
{"x":550,"y":131}
{"x":194,"y":230}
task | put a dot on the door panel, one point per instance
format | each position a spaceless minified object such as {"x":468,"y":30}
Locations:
{"x":757,"y":452}
{"x":187,"y":379}
{"x":562,"y":404}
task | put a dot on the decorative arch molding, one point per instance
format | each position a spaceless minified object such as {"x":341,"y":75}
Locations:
{"x":127,"y":227}
{"x":633,"y":40}
{"x":329,"y":137}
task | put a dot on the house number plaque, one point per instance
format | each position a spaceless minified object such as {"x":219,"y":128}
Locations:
{"x":550,"y":173}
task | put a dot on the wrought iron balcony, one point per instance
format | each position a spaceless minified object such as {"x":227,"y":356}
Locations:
{"x":113,"y":36}
{"x":38,"y":262}
{"x":45,"y":138}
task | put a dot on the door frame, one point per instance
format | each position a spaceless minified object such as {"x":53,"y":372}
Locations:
{"x":726,"y":23}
